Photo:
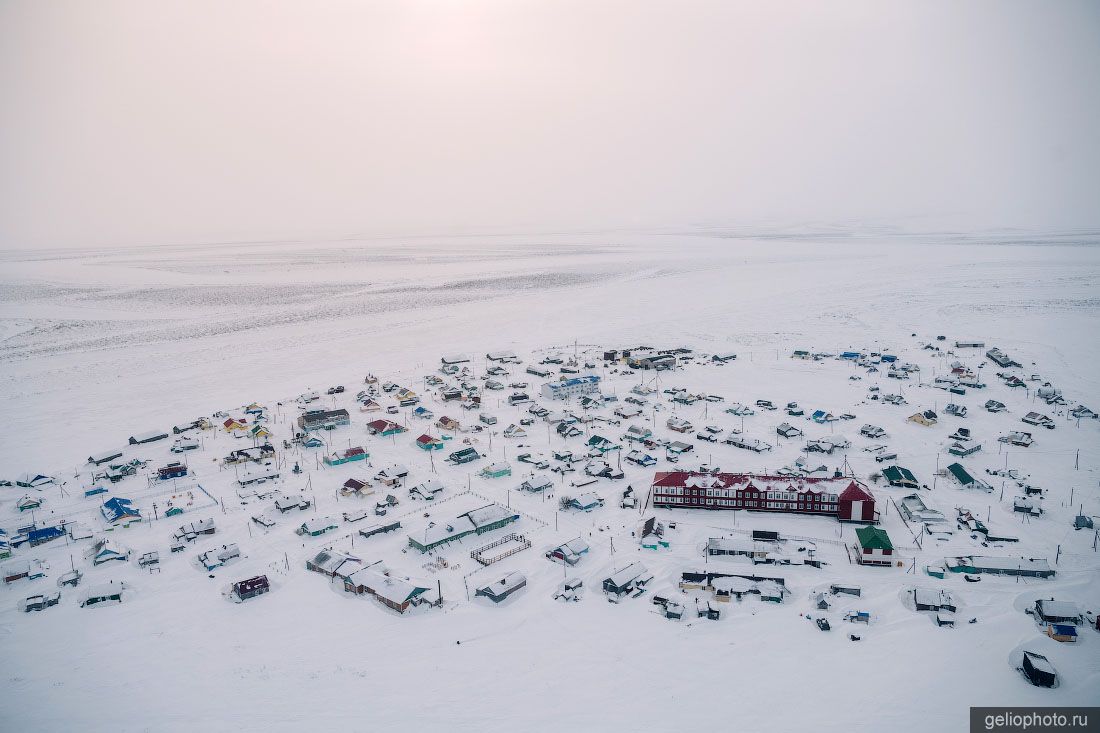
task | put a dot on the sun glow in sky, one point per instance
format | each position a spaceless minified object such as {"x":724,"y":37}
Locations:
{"x":134,"y":122}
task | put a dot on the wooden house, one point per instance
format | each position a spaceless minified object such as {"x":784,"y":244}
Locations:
{"x":1023,"y":566}
{"x":463,"y":455}
{"x":41,"y":602}
{"x":538,"y":482}
{"x":926,"y":418}
{"x":104,"y":457}
{"x":1050,"y":611}
{"x":191,"y":531}
{"x":503,"y":587}
{"x":395,"y":593}
{"x":103,"y":594}
{"x":251,"y":587}
{"x":171,"y":471}
{"x":392,"y":475}
{"x":964,"y":478}
{"x":216,"y":557}
{"x":285,"y":503}
{"x":380,"y":527}
{"x":874,"y":546}
{"x":427,"y":490}
{"x":447,"y":423}
{"x":1065,"y":633}
{"x":474,"y":522}
{"x":233,"y":424}
{"x":586,"y":502}
{"x":630,"y":579}
{"x":356,"y":486}
{"x":24,"y":570}
{"x":384,"y":428}
{"x":105,"y":550}
{"x":317,"y":526}
{"x":1020,"y":439}
{"x":901,"y":477}
{"x":1038,"y":670}
{"x":333,"y":564}
{"x":150,"y":437}
{"x":496,"y":470}
{"x":349,"y":455}
{"x":569,"y":552}
{"x":934,"y":600}
{"x":428,"y":443}
{"x":119,"y":511}
{"x":28,"y":502}
{"x":323,"y":419}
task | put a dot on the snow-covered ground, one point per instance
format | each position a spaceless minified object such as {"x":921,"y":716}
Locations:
{"x":100,"y":345}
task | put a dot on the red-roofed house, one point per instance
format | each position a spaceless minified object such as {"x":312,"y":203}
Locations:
{"x":384,"y":428}
{"x":427,"y":442}
{"x":347,"y":456}
{"x":234,"y":424}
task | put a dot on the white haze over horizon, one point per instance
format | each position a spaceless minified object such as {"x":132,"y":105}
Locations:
{"x":130,"y":123}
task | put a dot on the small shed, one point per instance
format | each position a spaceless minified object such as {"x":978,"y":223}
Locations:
{"x":1062,"y":632}
{"x":1038,"y":670}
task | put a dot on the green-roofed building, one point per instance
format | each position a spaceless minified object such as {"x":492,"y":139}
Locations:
{"x":875,"y":547}
{"x":965,"y":479}
{"x":898,"y":476}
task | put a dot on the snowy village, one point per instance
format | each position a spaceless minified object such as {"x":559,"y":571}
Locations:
{"x":550,"y":366}
{"x":836,"y":493}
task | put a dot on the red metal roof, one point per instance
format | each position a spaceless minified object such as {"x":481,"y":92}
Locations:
{"x":760,"y":482}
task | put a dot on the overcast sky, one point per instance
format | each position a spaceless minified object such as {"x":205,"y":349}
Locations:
{"x":190,"y":120}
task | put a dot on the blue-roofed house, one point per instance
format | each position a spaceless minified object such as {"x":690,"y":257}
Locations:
{"x":1062,"y":632}
{"x":118,"y":511}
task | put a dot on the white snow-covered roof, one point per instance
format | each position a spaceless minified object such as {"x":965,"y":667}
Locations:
{"x":1009,"y":563}
{"x":504,"y":584}
{"x":1064,"y":609}
{"x":587,"y":499}
{"x":441,"y":531}
{"x":287,"y":501}
{"x":430,"y":486}
{"x":627,"y":574}
{"x":733,"y":585}
{"x":330,"y":560}
{"x":576,"y":546}
{"x":319,"y":523}
{"x":730,"y":544}
{"x":488,"y":514}
{"x":537,"y":482}
{"x":392,"y":589}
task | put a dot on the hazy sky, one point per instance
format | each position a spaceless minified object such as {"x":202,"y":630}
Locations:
{"x":191,"y":120}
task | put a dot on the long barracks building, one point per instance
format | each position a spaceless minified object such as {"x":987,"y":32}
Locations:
{"x":843,"y":498}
